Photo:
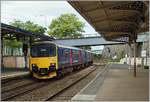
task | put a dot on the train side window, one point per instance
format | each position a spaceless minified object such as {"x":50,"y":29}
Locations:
{"x":66,"y":52}
{"x":59,"y":51}
{"x":62,"y":52}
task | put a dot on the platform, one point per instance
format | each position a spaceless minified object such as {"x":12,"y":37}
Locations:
{"x":117,"y":84}
{"x":7,"y":73}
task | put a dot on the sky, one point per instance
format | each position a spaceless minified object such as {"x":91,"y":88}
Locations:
{"x":40,"y":12}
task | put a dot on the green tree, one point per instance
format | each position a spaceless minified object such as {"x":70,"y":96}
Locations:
{"x":66,"y":26}
{"x":13,"y":43}
{"x":29,"y":26}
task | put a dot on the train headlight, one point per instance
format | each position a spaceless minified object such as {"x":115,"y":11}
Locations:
{"x":52,"y":64}
{"x":33,"y":65}
{"x":34,"y":68}
{"x":52,"y":67}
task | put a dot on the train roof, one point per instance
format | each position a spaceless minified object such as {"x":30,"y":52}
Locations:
{"x":59,"y":45}
{"x":50,"y":42}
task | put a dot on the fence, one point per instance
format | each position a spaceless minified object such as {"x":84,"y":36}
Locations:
{"x":10,"y":51}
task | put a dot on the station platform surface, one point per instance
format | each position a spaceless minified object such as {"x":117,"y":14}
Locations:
{"x":7,"y":73}
{"x":117,"y":84}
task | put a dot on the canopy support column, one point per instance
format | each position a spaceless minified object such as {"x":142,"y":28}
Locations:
{"x":130,"y":55}
{"x":135,"y":51}
{"x":2,"y":52}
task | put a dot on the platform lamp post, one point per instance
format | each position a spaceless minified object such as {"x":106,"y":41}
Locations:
{"x":130,"y":53}
{"x":146,"y":64}
{"x":45,"y":19}
{"x":25,"y":51}
{"x":130,"y":56}
{"x":109,"y":51}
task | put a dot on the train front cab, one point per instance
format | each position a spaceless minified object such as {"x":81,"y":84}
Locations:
{"x":43,"y":60}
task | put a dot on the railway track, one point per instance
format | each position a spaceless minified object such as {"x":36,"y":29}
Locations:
{"x":45,"y":90}
{"x":14,"y":92}
{"x":71,"y":91}
{"x":68,"y":86}
{"x":16,"y":83}
{"x":22,"y":85}
{"x":10,"y":81}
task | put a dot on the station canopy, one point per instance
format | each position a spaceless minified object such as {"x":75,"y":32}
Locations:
{"x":115,"y":20}
{"x":11,"y":32}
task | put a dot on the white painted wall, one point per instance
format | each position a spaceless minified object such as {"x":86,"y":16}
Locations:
{"x":138,"y":61}
{"x":14,"y":61}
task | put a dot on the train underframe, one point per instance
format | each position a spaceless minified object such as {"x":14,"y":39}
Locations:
{"x":46,"y":73}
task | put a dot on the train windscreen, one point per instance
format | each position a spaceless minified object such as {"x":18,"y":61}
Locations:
{"x":43,"y":50}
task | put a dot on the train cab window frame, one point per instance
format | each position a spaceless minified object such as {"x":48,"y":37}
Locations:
{"x":49,"y":49}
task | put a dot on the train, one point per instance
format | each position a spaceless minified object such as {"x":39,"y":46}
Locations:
{"x":49,"y":60}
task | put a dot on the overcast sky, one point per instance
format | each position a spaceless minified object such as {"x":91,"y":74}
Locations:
{"x":40,"y":12}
